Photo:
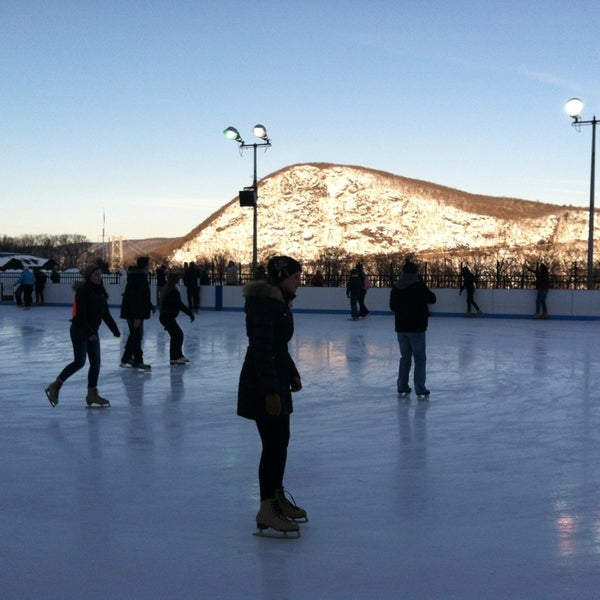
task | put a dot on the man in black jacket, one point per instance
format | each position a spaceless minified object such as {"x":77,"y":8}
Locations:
{"x":136,"y":307}
{"x":409,"y":300}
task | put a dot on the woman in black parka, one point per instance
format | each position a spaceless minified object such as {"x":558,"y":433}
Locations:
{"x":90,"y":308}
{"x":267,"y":380}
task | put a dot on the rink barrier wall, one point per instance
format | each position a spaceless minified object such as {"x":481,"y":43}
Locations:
{"x":563,"y":304}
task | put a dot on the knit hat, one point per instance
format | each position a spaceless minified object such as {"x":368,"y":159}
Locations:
{"x":142,"y":261}
{"x":410,"y":267}
{"x":87,"y":272}
{"x":281,"y":267}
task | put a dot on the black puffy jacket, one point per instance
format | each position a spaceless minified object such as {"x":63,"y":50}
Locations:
{"x":90,"y":308}
{"x":409,"y":301}
{"x":136,"y":297}
{"x":268,"y":367}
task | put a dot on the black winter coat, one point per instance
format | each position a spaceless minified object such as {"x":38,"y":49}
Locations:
{"x":268,"y":368}
{"x":408,"y":300}
{"x":136,"y":297}
{"x":171,"y":304}
{"x":91,"y":308}
{"x":356,"y":283}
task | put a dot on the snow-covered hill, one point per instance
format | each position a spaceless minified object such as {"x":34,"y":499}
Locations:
{"x":304,"y":209}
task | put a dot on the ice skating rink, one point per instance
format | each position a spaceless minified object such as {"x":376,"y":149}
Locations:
{"x":490,"y":490}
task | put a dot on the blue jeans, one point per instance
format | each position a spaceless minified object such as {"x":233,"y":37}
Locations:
{"x":540,"y":302}
{"x":412,"y":345}
{"x":82,"y":347}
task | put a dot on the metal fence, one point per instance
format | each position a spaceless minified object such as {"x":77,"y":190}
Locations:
{"x":574,"y":278}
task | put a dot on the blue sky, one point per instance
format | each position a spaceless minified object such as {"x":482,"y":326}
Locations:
{"x":119,"y":106}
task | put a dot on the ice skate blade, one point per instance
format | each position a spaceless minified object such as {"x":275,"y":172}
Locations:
{"x":274,"y":534}
{"x":49,"y":399}
{"x":299,"y":520}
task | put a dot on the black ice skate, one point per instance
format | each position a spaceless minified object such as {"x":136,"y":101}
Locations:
{"x":289,"y":508}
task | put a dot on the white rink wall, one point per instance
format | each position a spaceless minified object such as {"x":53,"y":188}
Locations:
{"x":567,"y":304}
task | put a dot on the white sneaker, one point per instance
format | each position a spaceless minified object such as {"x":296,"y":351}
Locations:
{"x":184,"y":359}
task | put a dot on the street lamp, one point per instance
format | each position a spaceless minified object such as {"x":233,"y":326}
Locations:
{"x":574,"y":106}
{"x":249,"y":195}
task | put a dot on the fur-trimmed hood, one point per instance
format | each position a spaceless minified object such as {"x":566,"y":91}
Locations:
{"x":265,"y":289}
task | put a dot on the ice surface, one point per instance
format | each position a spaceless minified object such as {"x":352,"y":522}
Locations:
{"x":491,"y":490}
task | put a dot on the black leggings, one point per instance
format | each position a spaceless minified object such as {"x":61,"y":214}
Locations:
{"x":470,"y":301}
{"x":176,"y":334}
{"x":275,"y":436}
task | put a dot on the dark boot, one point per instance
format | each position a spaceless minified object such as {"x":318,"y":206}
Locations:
{"x":289,"y":509}
{"x":269,"y":515}
{"x":52,"y":391}
{"x":93,"y":397}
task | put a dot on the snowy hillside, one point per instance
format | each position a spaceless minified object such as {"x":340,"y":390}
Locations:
{"x":306,"y":208}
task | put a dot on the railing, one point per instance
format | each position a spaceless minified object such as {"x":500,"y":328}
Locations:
{"x":574,"y":279}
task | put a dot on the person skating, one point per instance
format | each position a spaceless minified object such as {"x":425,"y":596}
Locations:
{"x":468,"y":283}
{"x":267,"y":380}
{"x":136,"y":307}
{"x":354,"y":289}
{"x":90,"y":308}
{"x":542,"y":284}
{"x":363,"y":311}
{"x":409,"y":300}
{"x":170,"y":305}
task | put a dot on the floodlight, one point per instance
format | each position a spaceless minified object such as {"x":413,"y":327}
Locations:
{"x":574,"y":106}
{"x":260,"y":131}
{"x":233,"y":134}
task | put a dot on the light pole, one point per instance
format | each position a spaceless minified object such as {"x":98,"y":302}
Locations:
{"x":249,"y":196}
{"x":574,"y":106}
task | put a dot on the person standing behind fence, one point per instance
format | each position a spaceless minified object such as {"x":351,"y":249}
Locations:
{"x":190,"y":280}
{"x":468,"y":283}
{"x":231,"y":274}
{"x":27,"y":281}
{"x":90,"y":308}
{"x":409,"y":300}
{"x":40,"y":283}
{"x":136,"y":308}
{"x":542,"y":284}
{"x":317,"y":279}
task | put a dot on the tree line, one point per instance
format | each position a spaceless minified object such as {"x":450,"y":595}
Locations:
{"x":493,"y":268}
{"x":500,"y":268}
{"x":67,"y":250}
